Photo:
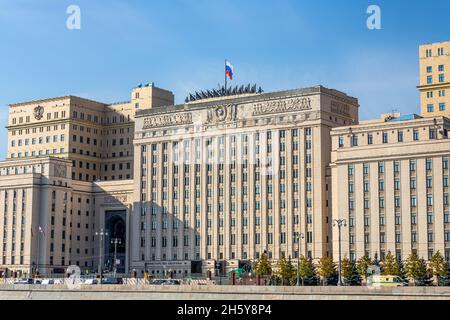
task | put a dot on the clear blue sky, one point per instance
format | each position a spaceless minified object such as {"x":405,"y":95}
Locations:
{"x":181,"y":45}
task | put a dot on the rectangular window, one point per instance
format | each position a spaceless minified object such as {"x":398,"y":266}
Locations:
{"x":432,"y":133}
{"x":341,"y":141}
{"x":416,"y":135}
{"x":354,"y":140}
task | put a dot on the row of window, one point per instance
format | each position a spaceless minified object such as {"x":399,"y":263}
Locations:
{"x":56,"y":115}
{"x":441,"y":79}
{"x":432,"y":134}
{"x":429,"y":52}
{"x":397,"y":166}
{"x":442,"y":107}
{"x":441,"y":93}
{"x":46,"y":152}
{"x":35,"y":130}
{"x":39,"y":140}
{"x":440,"y":68}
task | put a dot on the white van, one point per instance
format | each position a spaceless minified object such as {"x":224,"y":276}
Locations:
{"x":387,"y":281}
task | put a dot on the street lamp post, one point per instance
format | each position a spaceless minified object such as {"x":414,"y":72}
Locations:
{"x":115,"y":242}
{"x":101,"y":234}
{"x":339,"y":223}
{"x":297,"y":237}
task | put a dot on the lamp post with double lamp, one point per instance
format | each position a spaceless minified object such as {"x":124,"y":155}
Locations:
{"x":297,"y":237}
{"x":100,"y":235}
{"x":115,"y":242}
{"x":339,"y":223}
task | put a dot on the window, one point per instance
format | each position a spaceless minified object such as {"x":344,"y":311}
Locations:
{"x":430,"y":107}
{"x":385,"y":137}
{"x":413,"y":201}
{"x":341,"y":141}
{"x":369,"y":138}
{"x":416,"y":135}
{"x":400,"y":136}
{"x":351,"y":170}
{"x":354,"y":140}
{"x":412,"y":183}
{"x":366,"y":168}
{"x":429,"y":164}
{"x":429,"y":79}
{"x":441,"y":78}
{"x":441,"y":106}
{"x":441,"y":68}
{"x":432,"y":133}
{"x":429,"y":69}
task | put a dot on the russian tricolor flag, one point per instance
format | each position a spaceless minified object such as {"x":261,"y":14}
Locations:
{"x":229,"y":69}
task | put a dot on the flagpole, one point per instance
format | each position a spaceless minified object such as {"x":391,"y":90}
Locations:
{"x":39,"y":238}
{"x":225,"y":76}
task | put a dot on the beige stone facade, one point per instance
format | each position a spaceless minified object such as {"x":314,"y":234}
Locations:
{"x":96,"y":137}
{"x":220,"y":179}
{"x":184,"y":188}
{"x":230,"y":178}
{"x":390,"y":184}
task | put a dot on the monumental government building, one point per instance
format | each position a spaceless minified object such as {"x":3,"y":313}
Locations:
{"x":224,"y":177}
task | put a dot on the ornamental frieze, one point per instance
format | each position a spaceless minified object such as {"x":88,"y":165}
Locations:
{"x":279,"y":106}
{"x":168,"y":120}
{"x":340,"y":108}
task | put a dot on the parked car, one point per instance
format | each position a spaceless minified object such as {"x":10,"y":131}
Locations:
{"x":112,"y":281}
{"x":90,"y":281}
{"x":46,"y":282}
{"x":158,"y":282}
{"x":24,"y":281}
{"x":388,"y":281}
{"x":169,"y":282}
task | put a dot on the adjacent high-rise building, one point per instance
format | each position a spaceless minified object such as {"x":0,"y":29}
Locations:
{"x":434,"y":87}
{"x":391,"y":184}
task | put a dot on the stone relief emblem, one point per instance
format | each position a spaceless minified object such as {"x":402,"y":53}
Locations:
{"x":38,"y":112}
{"x":60,"y":171}
{"x":222,"y":113}
{"x":119,"y":198}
